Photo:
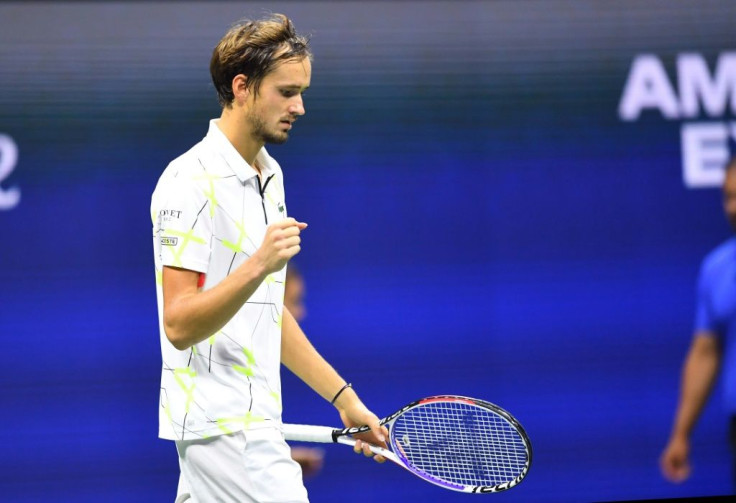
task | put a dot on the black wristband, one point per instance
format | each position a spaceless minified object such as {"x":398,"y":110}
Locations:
{"x":347,"y":385}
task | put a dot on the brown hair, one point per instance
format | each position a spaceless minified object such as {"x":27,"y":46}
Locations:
{"x":254,"y":49}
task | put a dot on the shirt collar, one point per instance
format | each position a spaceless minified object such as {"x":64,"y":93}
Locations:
{"x":233,"y":159}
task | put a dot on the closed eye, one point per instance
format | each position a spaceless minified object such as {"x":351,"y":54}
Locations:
{"x":288,"y":92}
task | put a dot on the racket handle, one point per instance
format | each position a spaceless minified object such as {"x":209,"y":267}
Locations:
{"x":308,"y":433}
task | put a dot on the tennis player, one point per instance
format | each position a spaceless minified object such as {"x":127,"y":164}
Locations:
{"x":222,"y":239}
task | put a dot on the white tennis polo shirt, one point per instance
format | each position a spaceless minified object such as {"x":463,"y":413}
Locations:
{"x":210,"y":211}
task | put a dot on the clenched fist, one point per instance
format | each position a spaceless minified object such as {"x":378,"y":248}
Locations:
{"x":280,"y":243}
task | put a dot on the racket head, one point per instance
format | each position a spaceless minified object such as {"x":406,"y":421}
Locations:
{"x":461,"y":443}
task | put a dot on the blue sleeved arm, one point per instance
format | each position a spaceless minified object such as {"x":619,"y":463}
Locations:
{"x":704,"y":316}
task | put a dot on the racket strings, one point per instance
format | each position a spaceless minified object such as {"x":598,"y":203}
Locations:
{"x":461,"y":443}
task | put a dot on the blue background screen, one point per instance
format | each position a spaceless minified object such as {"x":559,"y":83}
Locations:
{"x":484,"y":220}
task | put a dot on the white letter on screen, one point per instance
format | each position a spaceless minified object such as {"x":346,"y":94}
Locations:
{"x":704,"y":154}
{"x":647,"y":86}
{"x":696,"y":85}
{"x":9,"y":198}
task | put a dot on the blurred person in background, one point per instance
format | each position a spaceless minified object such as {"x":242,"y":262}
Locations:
{"x":713,"y":346}
{"x":310,"y":459}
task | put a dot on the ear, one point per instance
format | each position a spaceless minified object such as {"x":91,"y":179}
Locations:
{"x":240,"y":88}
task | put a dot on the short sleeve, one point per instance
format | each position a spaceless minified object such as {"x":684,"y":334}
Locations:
{"x":704,"y":318}
{"x":183,"y":229}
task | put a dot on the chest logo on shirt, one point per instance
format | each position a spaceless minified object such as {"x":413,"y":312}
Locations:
{"x":169,"y":241}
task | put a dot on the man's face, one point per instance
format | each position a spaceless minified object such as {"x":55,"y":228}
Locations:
{"x":279,"y":101}
{"x":729,"y":196}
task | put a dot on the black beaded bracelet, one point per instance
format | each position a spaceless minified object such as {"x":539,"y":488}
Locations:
{"x":347,"y":385}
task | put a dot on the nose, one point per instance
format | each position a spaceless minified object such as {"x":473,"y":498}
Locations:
{"x":296,"y":107}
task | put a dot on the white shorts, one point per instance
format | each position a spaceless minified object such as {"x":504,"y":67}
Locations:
{"x":243,"y":467}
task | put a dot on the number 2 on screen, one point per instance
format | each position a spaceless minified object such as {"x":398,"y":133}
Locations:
{"x":9,"y":198}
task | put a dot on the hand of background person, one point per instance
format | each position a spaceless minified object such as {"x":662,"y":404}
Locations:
{"x":309,"y":458}
{"x":674,"y":462}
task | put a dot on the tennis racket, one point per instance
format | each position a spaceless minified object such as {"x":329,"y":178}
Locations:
{"x":459,"y":443}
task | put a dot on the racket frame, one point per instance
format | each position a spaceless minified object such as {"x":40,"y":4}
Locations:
{"x":326,"y":434}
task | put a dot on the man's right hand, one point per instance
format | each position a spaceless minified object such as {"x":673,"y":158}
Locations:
{"x":280,"y":243}
{"x":674,"y":462}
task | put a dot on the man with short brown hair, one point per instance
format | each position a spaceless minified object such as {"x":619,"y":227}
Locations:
{"x":222,"y":240}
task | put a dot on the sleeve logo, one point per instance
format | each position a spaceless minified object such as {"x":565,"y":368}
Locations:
{"x":169,"y":215}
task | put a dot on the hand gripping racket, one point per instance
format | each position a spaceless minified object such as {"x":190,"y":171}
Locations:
{"x":459,"y":443}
